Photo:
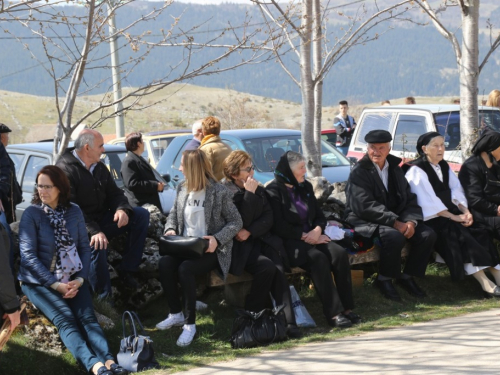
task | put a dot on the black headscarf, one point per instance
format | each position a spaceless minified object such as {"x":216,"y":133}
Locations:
{"x":487,"y":142}
{"x":283,"y":174}
{"x":424,"y":140}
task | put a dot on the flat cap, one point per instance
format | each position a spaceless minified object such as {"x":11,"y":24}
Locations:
{"x":378,"y":136}
{"x":4,"y":128}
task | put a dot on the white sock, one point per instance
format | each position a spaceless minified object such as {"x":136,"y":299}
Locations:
{"x":486,"y":284}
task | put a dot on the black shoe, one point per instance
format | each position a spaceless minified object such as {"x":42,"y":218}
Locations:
{"x":118,"y":370}
{"x":128,"y":280}
{"x":293,"y":332}
{"x":340,"y":321}
{"x":495,"y":293}
{"x":103,"y":370}
{"x":353,"y":317}
{"x":411,"y":287}
{"x":388,"y":289}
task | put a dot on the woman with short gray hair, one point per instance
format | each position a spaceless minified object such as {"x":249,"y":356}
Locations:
{"x":299,"y":221}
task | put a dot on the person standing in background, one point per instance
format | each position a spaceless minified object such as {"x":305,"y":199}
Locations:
{"x":344,"y":126}
{"x":197,"y":136}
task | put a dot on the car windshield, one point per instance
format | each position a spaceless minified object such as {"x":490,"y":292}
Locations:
{"x":159,"y":145}
{"x":113,"y":160}
{"x":266,"y":152}
{"x":448,"y":124}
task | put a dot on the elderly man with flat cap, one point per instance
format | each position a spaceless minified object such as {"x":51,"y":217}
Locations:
{"x":10,"y":191}
{"x":381,"y":204}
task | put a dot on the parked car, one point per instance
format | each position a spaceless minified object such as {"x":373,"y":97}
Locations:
{"x":329,"y":135}
{"x":266,"y":147}
{"x":407,"y":122}
{"x":29,"y":158}
{"x":155,"y":143}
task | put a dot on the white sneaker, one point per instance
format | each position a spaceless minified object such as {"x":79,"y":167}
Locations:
{"x":201,"y":305}
{"x":187,"y":335}
{"x":172,"y":320}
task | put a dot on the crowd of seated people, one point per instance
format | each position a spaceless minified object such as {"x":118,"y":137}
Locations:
{"x":266,"y":231}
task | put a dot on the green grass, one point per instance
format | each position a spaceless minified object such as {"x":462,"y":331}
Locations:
{"x":445,"y":299}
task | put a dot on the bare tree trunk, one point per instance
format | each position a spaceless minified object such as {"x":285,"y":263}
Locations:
{"x":307,"y":90}
{"x":469,"y":74}
{"x":318,"y":84}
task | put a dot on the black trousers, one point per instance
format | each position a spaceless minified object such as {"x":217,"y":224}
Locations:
{"x":321,"y":261}
{"x":493,"y":222}
{"x":422,"y":246}
{"x":175,"y":270}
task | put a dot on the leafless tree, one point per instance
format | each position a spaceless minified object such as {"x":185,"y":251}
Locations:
{"x":302,"y":26}
{"x":467,"y":58}
{"x":68,"y":61}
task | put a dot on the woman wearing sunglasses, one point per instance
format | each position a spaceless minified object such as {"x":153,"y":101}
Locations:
{"x":255,"y":250}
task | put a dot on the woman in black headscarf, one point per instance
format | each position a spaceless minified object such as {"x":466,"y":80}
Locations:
{"x":480,"y":178}
{"x":299,"y":221}
{"x":465,"y":246}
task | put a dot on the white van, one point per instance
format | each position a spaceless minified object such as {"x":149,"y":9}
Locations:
{"x":407,"y":122}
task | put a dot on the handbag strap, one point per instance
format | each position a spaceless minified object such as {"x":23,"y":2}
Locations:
{"x":132,"y":317}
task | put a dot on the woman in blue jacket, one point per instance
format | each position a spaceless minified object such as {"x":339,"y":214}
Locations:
{"x":55,"y":258}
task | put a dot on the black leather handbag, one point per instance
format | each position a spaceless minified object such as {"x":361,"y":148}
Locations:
{"x":183,"y":247}
{"x":136,"y":351}
{"x":252,"y":329}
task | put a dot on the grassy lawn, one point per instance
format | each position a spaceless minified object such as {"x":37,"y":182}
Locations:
{"x":445,"y":299}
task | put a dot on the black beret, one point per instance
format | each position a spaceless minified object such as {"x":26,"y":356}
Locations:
{"x":4,"y":129}
{"x":378,"y":136}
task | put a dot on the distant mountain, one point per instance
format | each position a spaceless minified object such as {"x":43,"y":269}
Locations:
{"x":409,"y":60}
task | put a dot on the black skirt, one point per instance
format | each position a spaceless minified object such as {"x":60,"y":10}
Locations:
{"x":458,"y":245}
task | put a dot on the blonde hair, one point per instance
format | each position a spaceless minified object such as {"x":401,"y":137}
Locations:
{"x":493,"y":99}
{"x":210,"y":125}
{"x":233,"y":162}
{"x":197,"y":170}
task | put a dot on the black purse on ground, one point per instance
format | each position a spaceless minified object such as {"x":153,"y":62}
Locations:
{"x":252,"y":329}
{"x":183,"y":247}
{"x":136,"y":351}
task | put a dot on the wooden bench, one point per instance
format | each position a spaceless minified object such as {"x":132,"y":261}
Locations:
{"x":236,"y":287}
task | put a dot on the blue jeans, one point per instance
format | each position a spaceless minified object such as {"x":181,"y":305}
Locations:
{"x":137,"y":229}
{"x":75,"y":321}
{"x":343,"y":149}
{"x":3,"y":221}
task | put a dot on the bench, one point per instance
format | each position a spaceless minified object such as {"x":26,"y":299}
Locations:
{"x":236,"y":287}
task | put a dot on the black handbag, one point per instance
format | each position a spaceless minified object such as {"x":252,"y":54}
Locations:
{"x":183,"y":247}
{"x":252,"y":329}
{"x":136,"y":351}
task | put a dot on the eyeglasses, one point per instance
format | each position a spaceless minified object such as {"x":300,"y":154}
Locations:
{"x":248,"y":169}
{"x":44,"y":187}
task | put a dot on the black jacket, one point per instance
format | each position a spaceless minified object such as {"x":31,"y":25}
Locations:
{"x":8,"y":297}
{"x":140,"y":181}
{"x":96,"y":193}
{"x":257,"y":217}
{"x":10,"y":191}
{"x":366,"y":198}
{"x":481,"y":185}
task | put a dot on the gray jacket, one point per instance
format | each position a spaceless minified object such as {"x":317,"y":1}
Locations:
{"x":222,"y":219}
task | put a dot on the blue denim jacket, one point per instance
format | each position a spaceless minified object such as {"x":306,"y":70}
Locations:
{"x":37,"y":244}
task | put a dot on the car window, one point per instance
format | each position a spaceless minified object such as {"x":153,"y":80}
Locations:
{"x":490,"y":119}
{"x":374,"y":121}
{"x":177,"y":161}
{"x":159,"y":145}
{"x":329,"y":137}
{"x":17,"y":159}
{"x":35,"y":163}
{"x":113,"y":161}
{"x":448,"y":124}
{"x":408,"y":129}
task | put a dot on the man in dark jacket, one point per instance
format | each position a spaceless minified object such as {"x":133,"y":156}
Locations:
{"x":106,"y":210}
{"x":381,"y":204}
{"x":10,"y":191}
{"x":9,"y":304}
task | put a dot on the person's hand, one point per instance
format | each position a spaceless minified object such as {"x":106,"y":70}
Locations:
{"x":242,"y":235}
{"x":15,"y":319}
{"x":323,"y":239}
{"x":410,"y":229}
{"x":486,"y":159}
{"x":122,"y":218}
{"x":161,"y":186}
{"x":498,"y":211}
{"x":66,"y":290}
{"x":251,"y":184}
{"x":312,"y":236}
{"x":75,"y":284}
{"x":467,"y":219}
{"x":400,"y":226}
{"x":1,"y":207}
{"x":99,"y":241}
{"x":170,"y":233}
{"x":212,"y":243}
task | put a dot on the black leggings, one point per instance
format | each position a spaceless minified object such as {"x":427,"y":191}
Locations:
{"x":173,"y":271}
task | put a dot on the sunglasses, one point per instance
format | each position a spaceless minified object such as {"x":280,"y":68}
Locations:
{"x":248,"y":169}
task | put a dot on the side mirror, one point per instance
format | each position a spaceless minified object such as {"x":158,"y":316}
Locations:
{"x":166,"y":177}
